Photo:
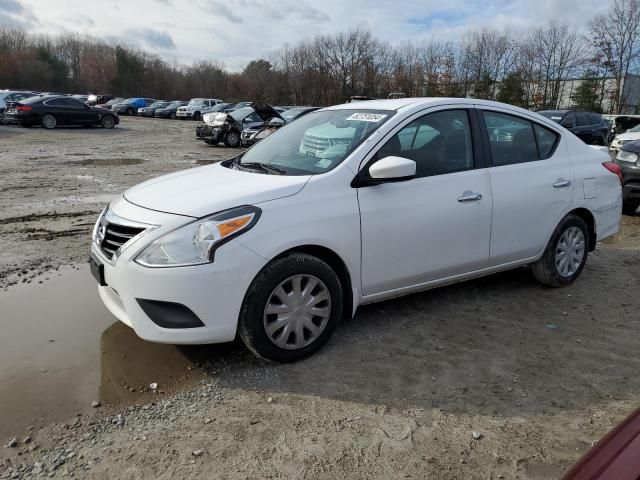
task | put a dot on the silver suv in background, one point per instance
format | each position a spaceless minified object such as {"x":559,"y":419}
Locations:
{"x":196,"y":108}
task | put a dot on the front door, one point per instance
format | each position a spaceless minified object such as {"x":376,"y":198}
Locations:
{"x":436,"y":225}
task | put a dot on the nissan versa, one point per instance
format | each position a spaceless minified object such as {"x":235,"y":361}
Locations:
{"x":346,"y":206}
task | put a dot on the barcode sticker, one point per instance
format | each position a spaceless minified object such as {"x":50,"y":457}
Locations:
{"x":367,"y":117}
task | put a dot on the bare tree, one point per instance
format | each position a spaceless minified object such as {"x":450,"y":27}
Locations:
{"x":616,"y":39}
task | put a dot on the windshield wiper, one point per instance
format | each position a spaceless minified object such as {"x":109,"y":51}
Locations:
{"x":265,"y":167}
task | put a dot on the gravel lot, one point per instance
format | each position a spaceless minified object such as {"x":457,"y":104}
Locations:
{"x":538,"y":374}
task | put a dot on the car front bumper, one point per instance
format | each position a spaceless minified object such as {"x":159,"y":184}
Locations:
{"x":214,"y":292}
{"x":206,"y":132}
{"x":180,"y":114}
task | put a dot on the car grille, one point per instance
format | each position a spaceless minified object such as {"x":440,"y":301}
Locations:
{"x":315,"y":144}
{"x":112,"y":236}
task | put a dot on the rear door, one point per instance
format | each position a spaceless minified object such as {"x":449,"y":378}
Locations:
{"x":438,"y":224}
{"x":531,"y":180}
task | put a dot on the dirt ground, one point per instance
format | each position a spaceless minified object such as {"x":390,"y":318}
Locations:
{"x":538,"y":374}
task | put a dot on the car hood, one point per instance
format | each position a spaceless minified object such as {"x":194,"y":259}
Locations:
{"x":202,"y":191}
{"x":265,"y":111}
{"x":629,"y":136}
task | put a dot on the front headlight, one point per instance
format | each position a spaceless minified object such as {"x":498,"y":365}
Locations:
{"x":196,"y":243}
{"x":625,"y":156}
{"x":94,"y":233}
{"x":262,"y":134}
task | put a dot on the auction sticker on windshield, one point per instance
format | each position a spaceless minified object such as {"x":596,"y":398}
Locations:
{"x":367,"y":117}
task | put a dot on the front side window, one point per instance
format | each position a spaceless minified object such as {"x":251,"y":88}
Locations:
{"x":511,"y":139}
{"x":582,"y":120}
{"x":439,"y":143}
{"x":315,"y":143}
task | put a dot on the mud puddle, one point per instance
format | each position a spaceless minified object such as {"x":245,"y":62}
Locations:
{"x":61,"y":349}
{"x":105,"y":162}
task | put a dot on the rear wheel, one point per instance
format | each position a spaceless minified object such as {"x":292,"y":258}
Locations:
{"x":196,"y":116}
{"x":291,"y":308}
{"x":629,"y":207}
{"x":232,"y":139}
{"x":108,"y":122}
{"x":565,"y":255}
{"x":49,"y":121}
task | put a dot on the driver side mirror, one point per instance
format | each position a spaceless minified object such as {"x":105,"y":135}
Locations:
{"x":392,"y":169}
{"x":568,"y":123}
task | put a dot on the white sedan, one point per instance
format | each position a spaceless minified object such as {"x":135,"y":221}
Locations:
{"x":350,"y":205}
{"x":631,"y":135}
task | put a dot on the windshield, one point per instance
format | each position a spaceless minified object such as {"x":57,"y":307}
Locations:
{"x":634,"y":129}
{"x":239,"y":114}
{"x":317,"y":142}
{"x":129,"y":100}
{"x":159,"y":104}
{"x":196,"y":101}
{"x":219,"y":107}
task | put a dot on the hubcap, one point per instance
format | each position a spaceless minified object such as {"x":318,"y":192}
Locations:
{"x":570,"y":251}
{"x":49,"y":121}
{"x":297,"y":312}
{"x":233,"y":138}
{"x":108,"y":122}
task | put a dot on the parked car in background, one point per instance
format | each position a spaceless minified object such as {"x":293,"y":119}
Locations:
{"x":587,"y":126}
{"x":620,"y":124}
{"x":7,"y":96}
{"x":227,"y":127}
{"x":131,"y":105}
{"x":277,"y":245}
{"x":52,"y":111}
{"x":629,"y":160}
{"x":110,"y":103}
{"x":95,"y":99}
{"x":170,"y":110}
{"x":196,"y":108}
{"x":630,"y":135}
{"x":251,"y":135}
{"x":151,"y":109}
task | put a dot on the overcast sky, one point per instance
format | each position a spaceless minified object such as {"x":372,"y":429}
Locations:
{"x":236,"y":31}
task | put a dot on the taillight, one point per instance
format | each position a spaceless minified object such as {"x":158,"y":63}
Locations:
{"x":613,"y":168}
{"x":23,"y":108}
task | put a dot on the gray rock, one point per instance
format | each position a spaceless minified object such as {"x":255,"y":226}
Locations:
{"x":13,"y":443}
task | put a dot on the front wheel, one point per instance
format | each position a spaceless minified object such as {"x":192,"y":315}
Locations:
{"x":196,"y":116}
{"x":232,"y":139}
{"x":565,"y":255}
{"x":291,"y":308}
{"x":49,"y":121}
{"x":130,"y":111}
{"x":108,"y":122}
{"x":173,"y":115}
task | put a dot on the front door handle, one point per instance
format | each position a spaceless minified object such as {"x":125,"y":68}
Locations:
{"x":561,"y":183}
{"x":470,"y":197}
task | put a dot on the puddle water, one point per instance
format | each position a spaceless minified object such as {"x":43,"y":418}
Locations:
{"x":61,"y":349}
{"x":105,"y":162}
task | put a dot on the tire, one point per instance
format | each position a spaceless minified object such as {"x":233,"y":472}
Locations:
{"x":282,"y":273}
{"x":173,"y":115}
{"x":548,"y":270}
{"x":108,"y":122}
{"x":48,"y":121}
{"x":196,"y":116}
{"x":232,"y":139}
{"x":130,"y":111}
{"x":629,"y":207}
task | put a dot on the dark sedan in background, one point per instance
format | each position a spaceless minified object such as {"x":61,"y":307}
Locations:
{"x":52,"y":111}
{"x":169,"y":111}
{"x":629,"y":160}
{"x":151,"y":109}
{"x":587,"y":126}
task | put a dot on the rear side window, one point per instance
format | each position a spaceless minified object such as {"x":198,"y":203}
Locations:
{"x":546,"y":139}
{"x":511,"y":139}
{"x":582,"y":120}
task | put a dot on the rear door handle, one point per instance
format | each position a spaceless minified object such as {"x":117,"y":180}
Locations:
{"x":561,"y":183}
{"x":470,"y":197}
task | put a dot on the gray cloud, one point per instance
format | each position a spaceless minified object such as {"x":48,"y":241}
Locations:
{"x":12,"y":6}
{"x":152,"y":38}
{"x":219,"y":8}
